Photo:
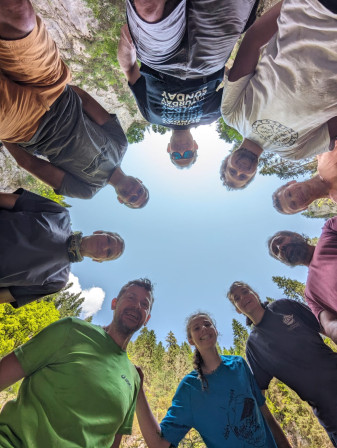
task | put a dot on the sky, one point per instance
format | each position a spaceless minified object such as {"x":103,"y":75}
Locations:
{"x":192,"y":240}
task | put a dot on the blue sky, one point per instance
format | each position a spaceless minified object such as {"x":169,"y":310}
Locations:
{"x":193,"y":239}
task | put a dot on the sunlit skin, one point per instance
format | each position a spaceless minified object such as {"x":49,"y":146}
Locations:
{"x":131,"y":311}
{"x":247,"y":302}
{"x":297,"y":196}
{"x":130,"y":190}
{"x":102,"y":246}
{"x":293,"y":250}
{"x":242,"y":164}
{"x":203,"y":335}
{"x":181,"y":141}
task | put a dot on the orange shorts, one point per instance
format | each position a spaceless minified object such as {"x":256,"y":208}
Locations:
{"x":32,"y":77}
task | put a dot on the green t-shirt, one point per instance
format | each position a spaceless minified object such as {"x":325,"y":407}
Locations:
{"x":80,"y":390}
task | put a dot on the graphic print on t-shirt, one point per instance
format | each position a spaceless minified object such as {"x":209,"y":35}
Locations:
{"x":182,"y":108}
{"x":243,"y":420}
{"x":275,"y":132}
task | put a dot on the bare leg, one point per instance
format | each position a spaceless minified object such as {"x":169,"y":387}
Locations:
{"x":17,"y":19}
{"x":6,"y":296}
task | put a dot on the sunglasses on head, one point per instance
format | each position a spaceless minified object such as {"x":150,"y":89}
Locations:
{"x":187,"y":155}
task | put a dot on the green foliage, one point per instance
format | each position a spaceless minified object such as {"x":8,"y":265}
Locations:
{"x":292,"y":289}
{"x":270,"y":163}
{"x":37,"y":186}
{"x":17,"y":326}
{"x":158,"y":129}
{"x":68,"y":304}
{"x":136,"y":132}
{"x":227,"y":133}
{"x":240,"y":336}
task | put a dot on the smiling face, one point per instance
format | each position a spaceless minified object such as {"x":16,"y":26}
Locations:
{"x":131,"y":192}
{"x":202,"y":332}
{"x":293,"y":197}
{"x":290,"y":248}
{"x":245,"y":300}
{"x":102,"y":246}
{"x":239,"y":168}
{"x":132,"y":309}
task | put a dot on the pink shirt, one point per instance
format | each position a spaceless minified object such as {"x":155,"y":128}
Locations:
{"x":321,"y":287}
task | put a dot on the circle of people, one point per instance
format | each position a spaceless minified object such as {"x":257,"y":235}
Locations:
{"x":79,"y":388}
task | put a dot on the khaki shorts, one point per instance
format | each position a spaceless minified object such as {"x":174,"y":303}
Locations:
{"x":32,"y":77}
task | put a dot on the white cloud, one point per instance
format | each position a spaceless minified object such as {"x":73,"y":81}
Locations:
{"x":93,"y":297}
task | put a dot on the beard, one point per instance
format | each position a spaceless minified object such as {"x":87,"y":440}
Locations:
{"x":295,"y":253}
{"x":246,"y":155}
{"x":124,"y":326}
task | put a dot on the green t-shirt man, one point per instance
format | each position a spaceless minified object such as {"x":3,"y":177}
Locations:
{"x":80,"y":390}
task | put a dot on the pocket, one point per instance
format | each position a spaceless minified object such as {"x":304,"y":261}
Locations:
{"x":95,"y":165}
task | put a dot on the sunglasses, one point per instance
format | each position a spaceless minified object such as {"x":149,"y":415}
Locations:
{"x":187,"y":155}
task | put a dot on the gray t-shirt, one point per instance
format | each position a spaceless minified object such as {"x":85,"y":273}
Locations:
{"x":87,"y":152}
{"x":33,"y":247}
{"x":286,"y":344}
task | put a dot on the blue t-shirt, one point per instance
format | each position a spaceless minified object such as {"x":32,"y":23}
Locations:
{"x":227,"y":414}
{"x":177,"y":103}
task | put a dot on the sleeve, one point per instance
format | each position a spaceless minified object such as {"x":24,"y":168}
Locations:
{"x":140,"y":93}
{"x":43,"y":349}
{"x":262,"y":377}
{"x":312,"y":143}
{"x":233,"y":95}
{"x":126,"y":427}
{"x":27,"y":294}
{"x":178,"y":420}
{"x":260,"y":399}
{"x":75,"y":188}
{"x":31,"y":202}
{"x":331,"y":224}
{"x":314,"y":306}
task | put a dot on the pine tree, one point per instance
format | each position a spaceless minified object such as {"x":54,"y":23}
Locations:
{"x":68,"y":304}
{"x":292,"y":289}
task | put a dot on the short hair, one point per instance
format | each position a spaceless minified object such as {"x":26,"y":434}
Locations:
{"x":277,"y":202}
{"x":295,"y":235}
{"x":230,"y":185}
{"x":230,"y":296}
{"x":142,"y":283}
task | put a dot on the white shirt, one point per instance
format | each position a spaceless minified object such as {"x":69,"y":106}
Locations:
{"x":284,"y":106}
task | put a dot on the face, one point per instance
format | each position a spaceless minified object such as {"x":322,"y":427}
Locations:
{"x":203,"y":332}
{"x":131,"y":192}
{"x":245,"y":300}
{"x":241,"y":167}
{"x":182,"y":155}
{"x":294,"y":197}
{"x":132,"y":309}
{"x":104,"y":246}
{"x":288,"y":249}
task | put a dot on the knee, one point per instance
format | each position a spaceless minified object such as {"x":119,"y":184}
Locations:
{"x":17,"y":18}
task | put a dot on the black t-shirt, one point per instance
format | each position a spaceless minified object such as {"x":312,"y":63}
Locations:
{"x":287,"y":345}
{"x":177,"y":103}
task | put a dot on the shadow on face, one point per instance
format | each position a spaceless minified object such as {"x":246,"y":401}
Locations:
{"x":293,"y":197}
{"x":132,"y":193}
{"x":238,"y":169}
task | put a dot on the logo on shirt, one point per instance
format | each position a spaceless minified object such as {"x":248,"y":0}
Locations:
{"x":275,"y":132}
{"x":288,"y":319}
{"x":126,"y":380}
{"x":182,"y":108}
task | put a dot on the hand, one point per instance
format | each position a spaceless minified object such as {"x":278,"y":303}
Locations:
{"x":126,"y":50}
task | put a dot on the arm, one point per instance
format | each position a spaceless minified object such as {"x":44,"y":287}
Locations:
{"x":8,"y":200}
{"x":127,"y":56}
{"x":117,"y":441}
{"x":280,"y":438}
{"x":328,"y":322}
{"x":255,"y":38}
{"x":148,"y":424}
{"x":92,"y":108}
{"x":43,"y":170}
{"x":10,"y":371}
{"x":6,"y":296}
